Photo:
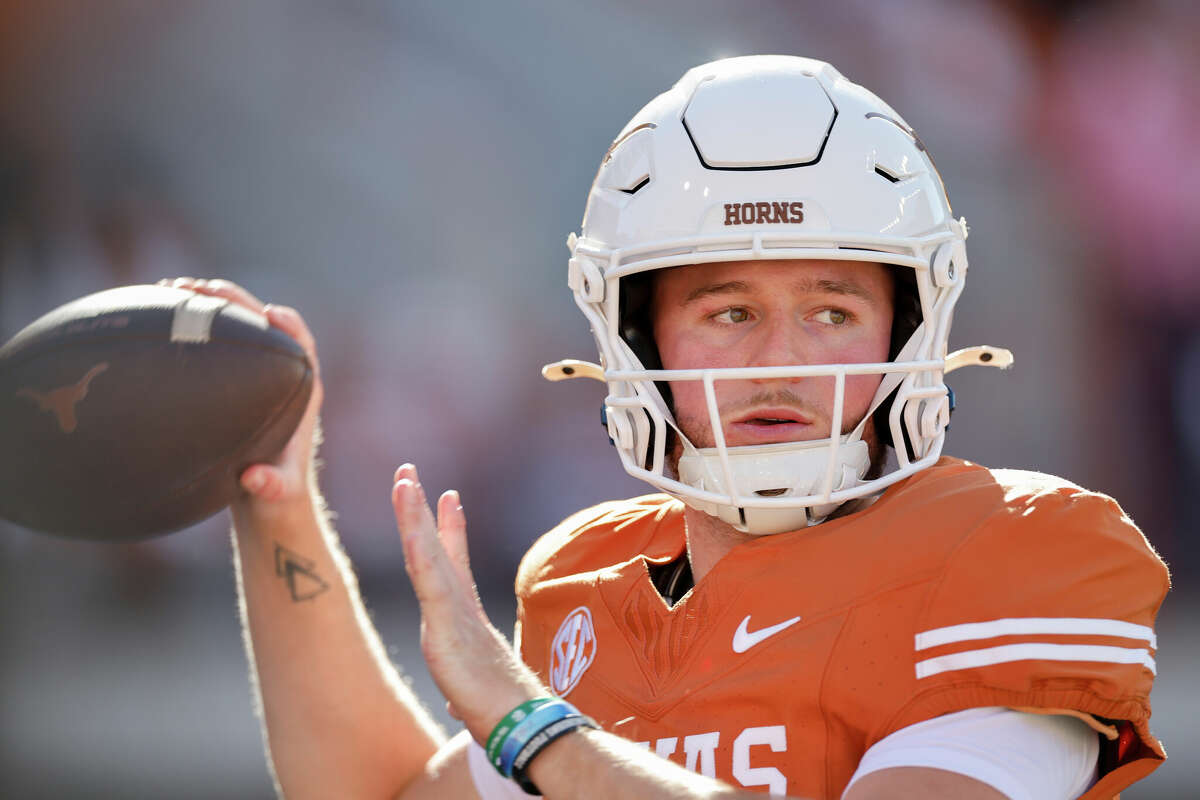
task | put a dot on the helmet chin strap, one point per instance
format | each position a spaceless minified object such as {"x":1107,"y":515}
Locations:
{"x":787,"y":469}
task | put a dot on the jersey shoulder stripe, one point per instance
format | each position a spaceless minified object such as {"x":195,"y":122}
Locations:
{"x":1037,"y":651}
{"x":1017,"y":626}
{"x":1039,"y":627}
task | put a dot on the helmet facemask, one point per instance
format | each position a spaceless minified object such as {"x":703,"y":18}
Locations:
{"x":765,"y":488}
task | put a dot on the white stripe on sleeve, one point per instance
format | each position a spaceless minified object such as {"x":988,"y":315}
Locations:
{"x":1022,"y":626}
{"x":1040,"y":651}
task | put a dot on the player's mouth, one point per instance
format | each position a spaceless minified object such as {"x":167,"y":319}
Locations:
{"x":768,"y":426}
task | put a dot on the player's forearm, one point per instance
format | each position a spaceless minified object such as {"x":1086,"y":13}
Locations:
{"x":603,"y":766}
{"x":338,"y":719}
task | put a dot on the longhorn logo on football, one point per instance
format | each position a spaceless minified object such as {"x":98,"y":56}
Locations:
{"x":572,"y":651}
{"x":63,"y":401}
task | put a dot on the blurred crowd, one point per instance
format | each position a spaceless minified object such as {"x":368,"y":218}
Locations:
{"x":406,"y":173}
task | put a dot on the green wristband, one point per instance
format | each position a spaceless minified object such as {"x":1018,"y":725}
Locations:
{"x":505,"y":726}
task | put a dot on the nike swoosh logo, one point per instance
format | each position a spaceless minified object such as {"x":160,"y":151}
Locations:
{"x":743,"y":639}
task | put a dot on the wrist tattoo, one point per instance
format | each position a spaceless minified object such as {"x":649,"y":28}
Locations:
{"x":302,"y":580}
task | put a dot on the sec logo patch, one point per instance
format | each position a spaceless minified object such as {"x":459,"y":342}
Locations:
{"x":573,"y":650}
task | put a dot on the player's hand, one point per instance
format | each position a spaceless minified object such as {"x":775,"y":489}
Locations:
{"x":471,"y":662}
{"x":288,"y":478}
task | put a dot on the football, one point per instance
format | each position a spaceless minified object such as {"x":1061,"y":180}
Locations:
{"x":131,"y":412}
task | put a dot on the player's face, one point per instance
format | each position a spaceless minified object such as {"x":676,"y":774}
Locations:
{"x":767,"y":314}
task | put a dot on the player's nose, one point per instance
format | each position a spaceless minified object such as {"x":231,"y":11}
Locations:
{"x":779,"y":342}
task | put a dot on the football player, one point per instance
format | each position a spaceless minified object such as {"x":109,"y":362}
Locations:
{"x":817,"y":602}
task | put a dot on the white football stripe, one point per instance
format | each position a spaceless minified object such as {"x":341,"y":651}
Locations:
{"x":1027,"y":652}
{"x":193,"y":318}
{"x":1022,"y":626}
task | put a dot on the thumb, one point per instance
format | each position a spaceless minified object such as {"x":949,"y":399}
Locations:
{"x":263,"y":482}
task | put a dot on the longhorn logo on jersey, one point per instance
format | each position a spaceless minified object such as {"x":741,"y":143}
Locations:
{"x":572,"y":651}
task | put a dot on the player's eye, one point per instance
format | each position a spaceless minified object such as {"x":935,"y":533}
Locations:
{"x":832,"y":316}
{"x":733,"y":315}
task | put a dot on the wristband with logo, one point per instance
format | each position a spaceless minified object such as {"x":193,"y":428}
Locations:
{"x":540,"y":740}
{"x":525,"y":731}
{"x":504,"y":728}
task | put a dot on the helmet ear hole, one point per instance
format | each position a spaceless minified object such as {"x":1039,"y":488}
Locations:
{"x":883,"y":430}
{"x":906,"y":309}
{"x":906,"y":317}
{"x":637,"y":326}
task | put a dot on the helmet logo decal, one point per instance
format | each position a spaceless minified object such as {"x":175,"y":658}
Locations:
{"x":759,"y":213}
{"x":573,"y":650}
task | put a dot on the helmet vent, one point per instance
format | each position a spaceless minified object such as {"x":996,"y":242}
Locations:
{"x":638,"y":186}
{"x":890,"y":177}
{"x":770,"y":492}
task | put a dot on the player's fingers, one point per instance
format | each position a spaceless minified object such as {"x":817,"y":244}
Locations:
{"x":452,"y":530}
{"x":234,"y":291}
{"x":415,"y":516}
{"x":417,"y":550}
{"x":219,"y":287}
{"x":426,"y":562}
{"x":283,"y":317}
{"x":405,"y":470}
{"x":290,"y":322}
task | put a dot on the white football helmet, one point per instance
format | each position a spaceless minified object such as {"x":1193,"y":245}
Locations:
{"x":770,"y":157}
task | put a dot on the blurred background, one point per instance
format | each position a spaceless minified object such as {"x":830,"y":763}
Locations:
{"x":406,"y":173}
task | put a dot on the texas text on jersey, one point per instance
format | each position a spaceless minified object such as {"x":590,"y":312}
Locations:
{"x":960,"y":587}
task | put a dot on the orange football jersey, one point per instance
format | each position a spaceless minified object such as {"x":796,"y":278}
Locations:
{"x":960,"y":587}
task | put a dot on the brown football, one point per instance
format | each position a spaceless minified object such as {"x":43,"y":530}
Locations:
{"x":130,"y":413}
